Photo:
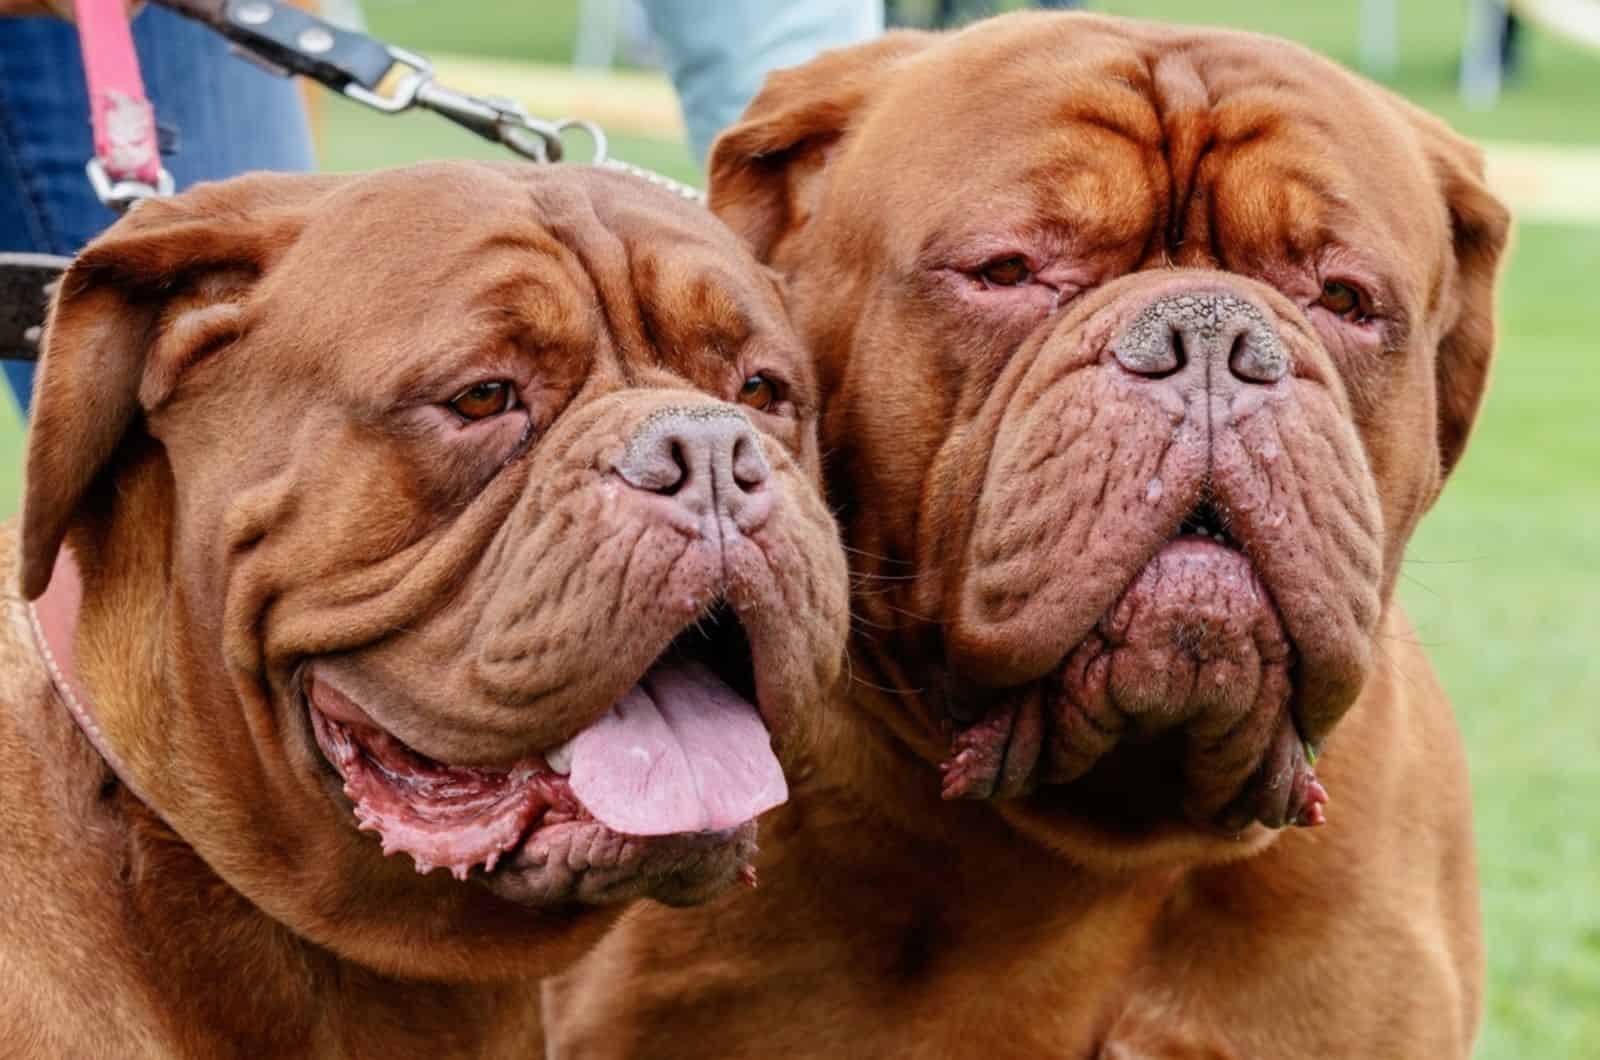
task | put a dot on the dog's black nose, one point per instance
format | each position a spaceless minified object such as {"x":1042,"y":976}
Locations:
{"x":706,"y":458}
{"x":1184,"y":336}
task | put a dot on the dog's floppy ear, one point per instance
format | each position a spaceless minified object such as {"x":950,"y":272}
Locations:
{"x":1479,"y":228}
{"x":766,"y":170}
{"x":157,"y":292}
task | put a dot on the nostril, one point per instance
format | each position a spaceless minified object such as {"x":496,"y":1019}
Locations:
{"x":681,"y":462}
{"x":1238,"y":356}
{"x":1180,"y":353}
{"x":1255,"y":358}
{"x":750,"y":468}
{"x":658,"y":463}
{"x":1151,"y":347}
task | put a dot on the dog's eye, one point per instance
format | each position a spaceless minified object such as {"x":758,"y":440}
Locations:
{"x":1342,"y":300}
{"x":759,"y":392}
{"x":482,"y":400}
{"x":1006,"y":272}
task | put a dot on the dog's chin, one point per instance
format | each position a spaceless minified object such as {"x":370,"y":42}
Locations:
{"x":1169,"y":725}
{"x":1096,"y":828}
{"x":590,"y":820}
{"x":1125,"y":812}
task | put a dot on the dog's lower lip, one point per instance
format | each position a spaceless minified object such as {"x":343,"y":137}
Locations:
{"x":680,"y":753}
{"x":1196,"y":606}
{"x":460,"y":817}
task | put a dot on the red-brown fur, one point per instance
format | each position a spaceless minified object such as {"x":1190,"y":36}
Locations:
{"x":238,"y":432}
{"x":1128,"y":156}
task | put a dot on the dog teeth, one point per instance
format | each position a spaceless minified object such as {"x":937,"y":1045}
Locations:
{"x":491,"y":861}
{"x":559,"y":759}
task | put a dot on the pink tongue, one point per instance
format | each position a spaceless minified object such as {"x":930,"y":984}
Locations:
{"x":682,"y":752}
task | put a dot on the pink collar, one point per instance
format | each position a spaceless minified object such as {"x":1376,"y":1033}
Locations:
{"x":54,"y":617}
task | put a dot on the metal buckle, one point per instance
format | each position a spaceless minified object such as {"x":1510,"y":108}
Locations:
{"x":495,"y":118}
{"x":121,"y":195}
{"x":404,"y":95}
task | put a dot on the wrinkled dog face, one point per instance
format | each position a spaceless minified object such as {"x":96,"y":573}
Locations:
{"x":497,"y":488}
{"x":1146,"y":347}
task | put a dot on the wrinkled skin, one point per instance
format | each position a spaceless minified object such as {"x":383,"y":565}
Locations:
{"x":1078,"y":724}
{"x":245,"y":435}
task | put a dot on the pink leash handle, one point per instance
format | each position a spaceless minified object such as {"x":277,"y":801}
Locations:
{"x":126,"y":147}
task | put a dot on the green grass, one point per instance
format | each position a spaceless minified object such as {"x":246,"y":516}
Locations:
{"x":1502,"y":578}
{"x":542,"y":31}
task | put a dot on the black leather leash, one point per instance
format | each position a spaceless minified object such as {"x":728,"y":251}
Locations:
{"x":287,"y":41}
{"x":26,"y":281}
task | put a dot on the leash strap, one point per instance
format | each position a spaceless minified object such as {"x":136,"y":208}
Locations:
{"x":26,"y":281}
{"x":127,"y":149}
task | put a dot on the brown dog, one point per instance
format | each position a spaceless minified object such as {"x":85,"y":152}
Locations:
{"x":416,"y":504}
{"x":1144,"y":349}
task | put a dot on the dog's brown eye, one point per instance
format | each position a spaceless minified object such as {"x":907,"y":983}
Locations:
{"x":1341,"y":299}
{"x":759,"y":392}
{"x":482,"y":400}
{"x":1006,"y":272}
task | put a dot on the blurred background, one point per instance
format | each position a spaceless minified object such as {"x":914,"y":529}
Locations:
{"x":1503,"y":579}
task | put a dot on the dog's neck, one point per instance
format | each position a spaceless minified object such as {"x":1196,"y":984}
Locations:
{"x":867,"y":873}
{"x":247,"y":985}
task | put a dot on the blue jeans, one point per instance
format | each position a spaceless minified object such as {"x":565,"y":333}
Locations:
{"x":230,"y":117}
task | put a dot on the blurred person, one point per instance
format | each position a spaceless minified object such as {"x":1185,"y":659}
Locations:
{"x":719,"y":53}
{"x":948,"y":13}
{"x":225,"y":116}
{"x":1510,"y":45}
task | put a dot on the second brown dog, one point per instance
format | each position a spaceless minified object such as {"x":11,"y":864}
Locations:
{"x":1145,"y":349}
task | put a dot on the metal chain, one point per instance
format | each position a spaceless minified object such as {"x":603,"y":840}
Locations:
{"x":677,"y":187}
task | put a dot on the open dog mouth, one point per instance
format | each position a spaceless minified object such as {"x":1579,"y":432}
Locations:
{"x":683,"y":754}
{"x":1207,"y":520}
{"x":1177,"y":701}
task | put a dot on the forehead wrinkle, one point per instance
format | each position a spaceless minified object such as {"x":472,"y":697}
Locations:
{"x":1255,"y":174}
{"x":1119,"y":106}
{"x":513,"y":295}
{"x":1099,"y":193}
{"x":1303,"y":202}
{"x":691,"y":307}
{"x":601,"y":257}
{"x":506,"y":268}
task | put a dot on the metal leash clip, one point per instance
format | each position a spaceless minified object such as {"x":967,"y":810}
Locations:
{"x":286,"y":40}
{"x":495,"y":118}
